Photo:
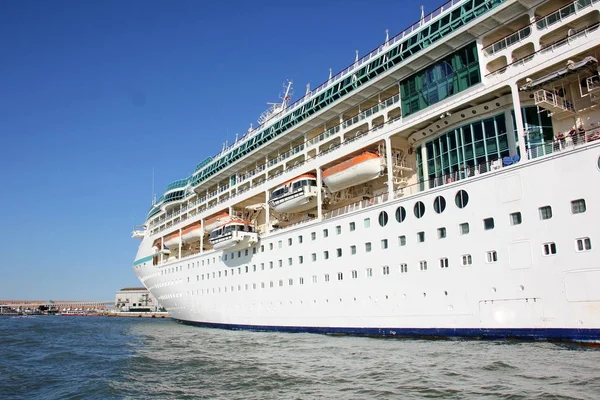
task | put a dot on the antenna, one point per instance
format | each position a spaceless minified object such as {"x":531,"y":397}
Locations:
{"x":387,"y":35}
{"x":307,"y":89}
{"x":277,"y":108}
{"x":153,"y":194}
{"x":356,"y":56}
{"x":422,"y":15}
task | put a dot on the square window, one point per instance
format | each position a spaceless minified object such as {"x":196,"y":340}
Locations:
{"x":369,"y":272}
{"x":313,"y":235}
{"x":352,"y":226}
{"x":289,"y":241}
{"x":262,"y":266}
{"x":384,"y":244}
{"x":549,"y":248}
{"x":338,"y":230}
{"x":464,"y":228}
{"x":578,"y":206}
{"x":279,"y":244}
{"x":326,"y":254}
{"x":385,"y":270}
{"x":290,"y":261}
{"x":300,"y":239}
{"x":443,"y":263}
{"x":313,"y":256}
{"x":368,"y":247}
{"x":300,"y":259}
{"x":353,"y":249}
{"x":301,"y":281}
{"x":441,"y":233}
{"x":423,"y":265}
{"x":367,"y":222}
{"x":420,"y":237}
{"x":314,"y":279}
{"x":270,"y":246}
{"x":488,"y":224}
{"x":402,"y":240}
{"x":253,"y":250}
{"x":325,"y":233}
{"x":280,"y":262}
{"x":403,"y":268}
{"x":326,"y":277}
{"x":339,"y":252}
{"x":262,"y":248}
{"x":515,"y":218}
{"x":354,"y":274}
{"x":492,"y":256}
{"x":340,"y":276}
{"x":545,"y":212}
{"x":583,"y":244}
{"x":270,"y":264}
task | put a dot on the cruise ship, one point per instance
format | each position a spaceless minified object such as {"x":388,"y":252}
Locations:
{"x":443,"y":185}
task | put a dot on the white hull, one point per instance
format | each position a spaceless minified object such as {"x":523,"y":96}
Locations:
{"x":354,"y":175}
{"x":469,"y":219}
{"x":545,"y":295}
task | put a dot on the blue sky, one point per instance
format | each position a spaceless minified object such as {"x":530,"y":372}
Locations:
{"x":95,"y":94}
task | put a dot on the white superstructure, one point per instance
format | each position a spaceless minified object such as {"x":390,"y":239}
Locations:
{"x":463,"y":161}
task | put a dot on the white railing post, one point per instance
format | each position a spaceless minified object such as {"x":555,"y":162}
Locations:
{"x":319,"y":195}
{"x":514,"y":89}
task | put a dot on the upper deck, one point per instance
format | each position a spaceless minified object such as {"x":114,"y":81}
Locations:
{"x":358,"y":81}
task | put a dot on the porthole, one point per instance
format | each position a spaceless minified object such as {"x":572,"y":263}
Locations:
{"x":383,"y":218}
{"x":462,"y":115}
{"x":400,"y":214}
{"x":461,"y":199}
{"x":497,"y":104}
{"x":474,"y":111}
{"x":439,"y":204}
{"x":486,"y":108}
{"x":599,"y":162}
{"x":419,"y":209}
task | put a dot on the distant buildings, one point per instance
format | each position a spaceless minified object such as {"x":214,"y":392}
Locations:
{"x":136,"y":299}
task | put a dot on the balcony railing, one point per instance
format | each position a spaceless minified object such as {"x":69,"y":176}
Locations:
{"x":563,"y":12}
{"x":508,"y":41}
{"x":539,"y":148}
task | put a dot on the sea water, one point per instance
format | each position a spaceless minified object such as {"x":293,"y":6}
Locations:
{"x":54,"y":357}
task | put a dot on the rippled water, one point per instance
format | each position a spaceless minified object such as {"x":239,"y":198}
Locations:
{"x":118,"y":358}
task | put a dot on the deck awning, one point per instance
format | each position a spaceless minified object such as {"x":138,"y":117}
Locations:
{"x":571,"y":68}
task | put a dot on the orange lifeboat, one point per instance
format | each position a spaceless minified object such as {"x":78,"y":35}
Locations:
{"x":213,"y":222}
{"x":188,"y":234}
{"x":357,"y":170}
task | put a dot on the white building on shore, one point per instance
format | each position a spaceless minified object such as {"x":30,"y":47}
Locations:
{"x":136,"y":299}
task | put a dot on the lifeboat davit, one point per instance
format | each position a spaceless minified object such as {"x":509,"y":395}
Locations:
{"x":295,"y":195}
{"x":357,"y":170}
{"x":233,"y":235}
{"x":218,"y":220}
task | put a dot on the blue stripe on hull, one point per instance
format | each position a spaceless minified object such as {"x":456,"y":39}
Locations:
{"x":558,"y":334}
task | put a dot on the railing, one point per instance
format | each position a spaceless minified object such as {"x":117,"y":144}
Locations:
{"x":559,"y":43}
{"x":563,"y":12}
{"x":508,"y":41}
{"x":550,"y":47}
{"x":569,"y":141}
{"x":323,"y":136}
{"x":545,"y":96}
{"x":177,"y":184}
{"x":367,"y":113}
